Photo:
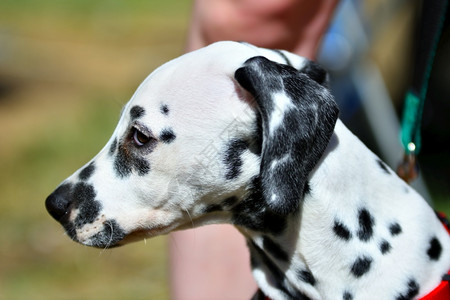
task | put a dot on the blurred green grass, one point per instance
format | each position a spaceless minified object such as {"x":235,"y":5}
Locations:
{"x":66,"y":69}
{"x":38,"y":261}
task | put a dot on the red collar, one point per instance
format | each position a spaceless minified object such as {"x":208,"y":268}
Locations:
{"x":442,"y":291}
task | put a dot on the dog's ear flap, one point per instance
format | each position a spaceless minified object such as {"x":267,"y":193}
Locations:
{"x":314,"y":71}
{"x":298,"y":118}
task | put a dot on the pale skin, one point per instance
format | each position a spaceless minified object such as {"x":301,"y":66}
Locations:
{"x":213,"y":262}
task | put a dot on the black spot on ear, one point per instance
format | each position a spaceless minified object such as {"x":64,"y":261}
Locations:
{"x":347,"y":296}
{"x":361,"y":266}
{"x":113,"y":147}
{"x":164,"y":109}
{"x":306,"y":124}
{"x":385,"y":247}
{"x":342,"y":231}
{"x":232,"y":158}
{"x":87,"y":172}
{"x":383,"y":166}
{"x":395,"y":229}
{"x":306,"y":276}
{"x":412,"y":290}
{"x":136,"y":112}
{"x":167,"y":136}
{"x":314,"y":71}
{"x":435,"y":249}
{"x":274,"y":249}
{"x":366,"y":223}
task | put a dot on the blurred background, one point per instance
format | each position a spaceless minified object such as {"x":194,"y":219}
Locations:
{"x":67,"y":68}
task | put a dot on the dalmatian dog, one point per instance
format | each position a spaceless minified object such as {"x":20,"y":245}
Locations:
{"x":232,"y":133}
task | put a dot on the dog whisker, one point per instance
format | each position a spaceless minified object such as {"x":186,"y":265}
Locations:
{"x":190,"y":218}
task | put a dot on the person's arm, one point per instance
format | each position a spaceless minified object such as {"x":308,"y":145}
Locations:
{"x":293,"y":25}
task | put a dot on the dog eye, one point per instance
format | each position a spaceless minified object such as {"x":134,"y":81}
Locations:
{"x":140,"y":139}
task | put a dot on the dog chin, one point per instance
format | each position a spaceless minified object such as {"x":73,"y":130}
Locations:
{"x":136,"y":236}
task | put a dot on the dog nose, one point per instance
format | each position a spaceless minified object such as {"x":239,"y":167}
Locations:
{"x":58,"y":202}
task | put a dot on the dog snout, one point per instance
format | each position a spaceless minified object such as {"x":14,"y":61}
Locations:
{"x":57,"y":204}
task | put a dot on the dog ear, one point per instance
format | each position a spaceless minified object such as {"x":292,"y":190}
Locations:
{"x":298,"y":118}
{"x":314,"y":71}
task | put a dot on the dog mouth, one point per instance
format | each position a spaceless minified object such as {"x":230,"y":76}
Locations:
{"x":144,"y":233}
{"x":112,"y":235}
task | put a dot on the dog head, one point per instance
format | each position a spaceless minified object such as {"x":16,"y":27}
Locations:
{"x":193,"y":140}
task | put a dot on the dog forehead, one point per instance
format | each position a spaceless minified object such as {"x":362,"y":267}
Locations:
{"x":203,"y":75}
{"x":200,"y":80}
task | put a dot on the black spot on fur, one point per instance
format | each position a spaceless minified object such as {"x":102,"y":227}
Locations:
{"x":226,"y":204}
{"x":88,"y":212}
{"x":276,"y":276}
{"x":164,"y":109}
{"x":232,"y":158}
{"x":435,"y":249}
{"x":259,"y":295}
{"x":385,"y":247}
{"x":111,"y":234}
{"x":342,"y":231}
{"x":83,"y":192}
{"x":361,"y":266}
{"x":87,"y":172}
{"x":307,"y":189}
{"x":136,"y":112}
{"x":84,"y":200}
{"x":274,"y":249}
{"x":383,"y":166}
{"x":347,"y":296}
{"x":253,"y":214}
{"x":306,"y":276}
{"x":167,"y":136}
{"x":366,"y":223}
{"x":395,"y":229}
{"x":142,"y":166}
{"x":230,"y":201}
{"x":212,"y":208}
{"x":412,"y":290}
{"x":113,"y":147}
{"x":126,"y":161}
{"x":122,"y":163}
